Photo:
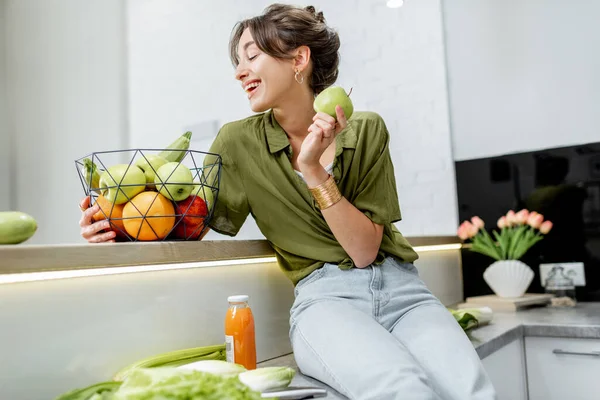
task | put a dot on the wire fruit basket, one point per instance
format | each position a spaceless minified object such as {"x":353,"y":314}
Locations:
{"x":152,"y":194}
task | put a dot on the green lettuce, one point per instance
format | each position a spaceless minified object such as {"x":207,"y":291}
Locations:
{"x":169,"y":383}
{"x":176,"y":384}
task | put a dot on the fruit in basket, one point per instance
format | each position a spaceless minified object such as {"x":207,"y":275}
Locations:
{"x":174,"y":181}
{"x":193,"y":210}
{"x":122,"y":182}
{"x":114,"y":212}
{"x":150,"y":163}
{"x":331,"y":97}
{"x":149,"y":216}
{"x":203,"y":191}
{"x":182,"y":143}
{"x":16,"y":227}
{"x":91,"y":175}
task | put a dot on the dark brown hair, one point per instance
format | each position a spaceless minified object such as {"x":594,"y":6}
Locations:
{"x":282,"y":28}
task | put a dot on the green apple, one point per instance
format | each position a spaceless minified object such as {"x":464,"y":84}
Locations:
{"x":150,"y":163}
{"x":205,"y":193}
{"x":121,"y":182}
{"x":331,"y":97}
{"x":174,"y":181}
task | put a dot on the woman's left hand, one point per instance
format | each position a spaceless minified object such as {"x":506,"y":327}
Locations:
{"x":322,"y":133}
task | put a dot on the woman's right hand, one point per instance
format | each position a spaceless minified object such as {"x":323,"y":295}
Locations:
{"x":93,"y":232}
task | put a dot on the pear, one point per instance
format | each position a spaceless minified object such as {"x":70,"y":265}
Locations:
{"x":122,"y":182}
{"x":331,"y":97}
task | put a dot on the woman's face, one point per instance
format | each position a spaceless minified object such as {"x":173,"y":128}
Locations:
{"x":267,"y":81}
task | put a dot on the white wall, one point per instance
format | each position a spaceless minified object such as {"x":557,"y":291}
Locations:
{"x":522,"y":75}
{"x":65,"y":64}
{"x":4,"y":136}
{"x":180,"y":75}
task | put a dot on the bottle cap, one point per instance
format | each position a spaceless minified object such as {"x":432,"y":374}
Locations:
{"x":241,"y":298}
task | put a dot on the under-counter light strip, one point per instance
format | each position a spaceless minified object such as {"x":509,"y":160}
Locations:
{"x":82,"y":273}
{"x":438,"y":247}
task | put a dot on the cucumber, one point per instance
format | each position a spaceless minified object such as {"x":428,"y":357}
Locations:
{"x":16,"y":227}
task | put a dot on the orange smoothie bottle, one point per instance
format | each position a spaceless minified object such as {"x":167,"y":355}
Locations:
{"x":239,"y":332}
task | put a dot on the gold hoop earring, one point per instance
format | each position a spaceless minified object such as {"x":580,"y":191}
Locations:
{"x":299,"y":77}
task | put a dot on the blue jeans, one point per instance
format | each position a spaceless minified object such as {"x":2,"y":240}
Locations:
{"x":379,"y":333}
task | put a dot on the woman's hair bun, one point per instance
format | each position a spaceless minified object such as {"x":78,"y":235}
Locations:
{"x":318,"y":15}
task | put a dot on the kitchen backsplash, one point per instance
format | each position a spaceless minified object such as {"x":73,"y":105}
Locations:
{"x":562,"y":183}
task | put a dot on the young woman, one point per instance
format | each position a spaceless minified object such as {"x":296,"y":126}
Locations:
{"x":322,"y":191}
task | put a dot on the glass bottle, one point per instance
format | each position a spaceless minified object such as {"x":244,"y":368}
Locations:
{"x":239,"y":332}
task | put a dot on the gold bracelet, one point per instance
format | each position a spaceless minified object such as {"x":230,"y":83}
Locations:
{"x":326,"y":194}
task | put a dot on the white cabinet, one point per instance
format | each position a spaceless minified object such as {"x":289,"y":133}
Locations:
{"x":560,"y":368}
{"x":506,"y":369}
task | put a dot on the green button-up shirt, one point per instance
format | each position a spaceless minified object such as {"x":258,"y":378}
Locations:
{"x":257,"y":178}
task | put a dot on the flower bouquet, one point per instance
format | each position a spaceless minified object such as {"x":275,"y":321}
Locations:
{"x":516,"y":234}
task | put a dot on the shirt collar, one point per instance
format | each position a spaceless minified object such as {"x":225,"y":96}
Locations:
{"x":276,"y":137}
{"x":277,"y":140}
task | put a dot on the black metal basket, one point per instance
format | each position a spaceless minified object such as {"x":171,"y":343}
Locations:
{"x":168,"y":208}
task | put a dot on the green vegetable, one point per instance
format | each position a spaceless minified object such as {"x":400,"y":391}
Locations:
{"x":267,"y":378}
{"x":179,"y":384}
{"x":182,"y":143}
{"x":469,"y":318}
{"x":91,"y":175}
{"x":16,"y":227}
{"x":99,"y":391}
{"x":175,"y":358}
{"x":216,"y":367}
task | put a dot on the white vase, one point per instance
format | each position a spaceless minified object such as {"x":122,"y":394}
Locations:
{"x":508,"y":278}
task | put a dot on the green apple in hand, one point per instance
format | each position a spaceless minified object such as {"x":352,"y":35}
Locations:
{"x":331,"y":97}
{"x":122,"y":182}
{"x":150,"y":163}
{"x":174,"y":181}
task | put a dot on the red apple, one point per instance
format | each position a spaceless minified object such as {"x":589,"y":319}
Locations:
{"x":190,"y":226}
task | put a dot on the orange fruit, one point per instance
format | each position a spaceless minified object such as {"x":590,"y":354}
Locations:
{"x":112,"y":211}
{"x":149,"y":216}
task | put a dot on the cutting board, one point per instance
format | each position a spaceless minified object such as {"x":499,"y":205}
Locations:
{"x":507,"y":303}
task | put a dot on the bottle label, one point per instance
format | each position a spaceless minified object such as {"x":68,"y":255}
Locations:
{"x":229,"y":350}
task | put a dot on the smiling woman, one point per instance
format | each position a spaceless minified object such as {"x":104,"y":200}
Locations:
{"x":331,"y":226}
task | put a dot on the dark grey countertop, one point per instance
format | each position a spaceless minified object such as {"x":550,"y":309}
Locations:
{"x":583,"y":321}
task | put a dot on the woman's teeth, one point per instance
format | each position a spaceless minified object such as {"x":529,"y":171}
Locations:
{"x":251,"y":86}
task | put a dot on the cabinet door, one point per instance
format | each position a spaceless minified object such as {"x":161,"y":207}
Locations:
{"x":506,"y":369}
{"x":561,"y":368}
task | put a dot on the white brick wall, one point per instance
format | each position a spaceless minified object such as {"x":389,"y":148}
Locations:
{"x":65,"y":66}
{"x":180,"y":75}
{"x":522,"y":75}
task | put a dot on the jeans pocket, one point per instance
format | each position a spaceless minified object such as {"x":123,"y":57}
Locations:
{"x":313,"y":276}
{"x":404,"y":266}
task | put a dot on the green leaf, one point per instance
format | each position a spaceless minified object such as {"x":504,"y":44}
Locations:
{"x":515,"y":241}
{"x":484,"y":250}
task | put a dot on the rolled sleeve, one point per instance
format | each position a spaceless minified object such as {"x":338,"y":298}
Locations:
{"x":376,"y":195}
{"x":231,"y":207}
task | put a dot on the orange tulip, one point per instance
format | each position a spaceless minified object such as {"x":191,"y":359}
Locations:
{"x":522,"y":216}
{"x":478,"y":222}
{"x":535,"y":220}
{"x":502,"y":223}
{"x":511,"y":218}
{"x":545,"y":227}
{"x":462,"y":232}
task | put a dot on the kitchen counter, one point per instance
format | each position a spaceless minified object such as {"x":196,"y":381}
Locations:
{"x":24,"y":258}
{"x":582,"y":321}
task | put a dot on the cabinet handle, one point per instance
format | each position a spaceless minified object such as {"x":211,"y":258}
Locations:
{"x":577,"y":353}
